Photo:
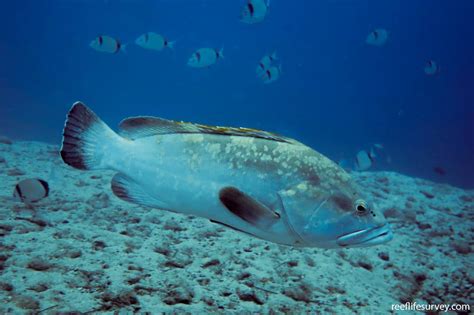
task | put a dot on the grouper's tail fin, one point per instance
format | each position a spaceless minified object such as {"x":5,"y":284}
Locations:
{"x":86,"y":139}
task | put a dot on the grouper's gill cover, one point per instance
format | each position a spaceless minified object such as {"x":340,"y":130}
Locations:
{"x":332,"y":216}
{"x":266,"y":185}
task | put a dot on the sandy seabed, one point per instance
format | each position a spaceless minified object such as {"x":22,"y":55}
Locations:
{"x":84,"y":250}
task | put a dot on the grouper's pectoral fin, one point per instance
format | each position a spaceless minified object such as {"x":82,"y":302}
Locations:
{"x":247,"y":208}
{"x":128,"y":190}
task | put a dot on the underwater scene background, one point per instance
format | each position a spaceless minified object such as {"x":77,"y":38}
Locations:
{"x":336,"y":93}
{"x":396,"y":113}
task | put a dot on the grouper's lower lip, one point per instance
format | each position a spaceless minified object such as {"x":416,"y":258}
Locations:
{"x":374,"y":236}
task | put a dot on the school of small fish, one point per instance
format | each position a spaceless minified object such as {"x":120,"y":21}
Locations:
{"x":252,"y":12}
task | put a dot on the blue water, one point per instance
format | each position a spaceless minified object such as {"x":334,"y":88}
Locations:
{"x":336,"y":93}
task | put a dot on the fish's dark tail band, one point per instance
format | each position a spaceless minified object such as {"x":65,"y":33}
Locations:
{"x":86,"y":139}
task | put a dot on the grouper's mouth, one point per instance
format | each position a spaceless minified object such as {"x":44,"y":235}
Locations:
{"x":368,"y":237}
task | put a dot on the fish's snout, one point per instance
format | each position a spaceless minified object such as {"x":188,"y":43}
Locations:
{"x":378,"y":217}
{"x":373,"y":228}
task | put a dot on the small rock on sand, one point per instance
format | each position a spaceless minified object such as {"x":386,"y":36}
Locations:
{"x":5,"y":140}
{"x":461,"y":247}
{"x":301,"y":292}
{"x":26,"y":302}
{"x":39,"y":265}
{"x":99,"y":201}
{"x":15,"y":172}
{"x":179,"y":294}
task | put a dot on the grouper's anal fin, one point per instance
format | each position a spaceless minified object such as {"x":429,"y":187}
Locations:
{"x":247,"y":208}
{"x":128,"y":190}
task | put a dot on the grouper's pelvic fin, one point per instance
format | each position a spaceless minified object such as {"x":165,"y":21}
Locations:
{"x":87,"y":139}
{"x":126,"y":189}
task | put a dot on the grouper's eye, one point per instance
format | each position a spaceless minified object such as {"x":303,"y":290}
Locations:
{"x":361,"y":207}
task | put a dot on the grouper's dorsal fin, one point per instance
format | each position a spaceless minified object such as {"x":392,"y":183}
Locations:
{"x":247,"y":208}
{"x":145,"y":126}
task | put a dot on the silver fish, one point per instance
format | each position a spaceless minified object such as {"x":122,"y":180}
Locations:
{"x":31,"y":190}
{"x":271,"y":74}
{"x":364,"y":160}
{"x":205,"y":57}
{"x":254,"y":11}
{"x":154,"y":41}
{"x":432,"y":68}
{"x":266,"y":185}
{"x":266,"y":63}
{"x":107,"y":44}
{"x":377,"y":37}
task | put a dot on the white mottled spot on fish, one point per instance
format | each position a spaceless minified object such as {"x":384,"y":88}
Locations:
{"x":289,"y":192}
{"x":194,"y":138}
{"x":302,"y":186}
{"x":241,"y":141}
{"x":214,"y":149}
